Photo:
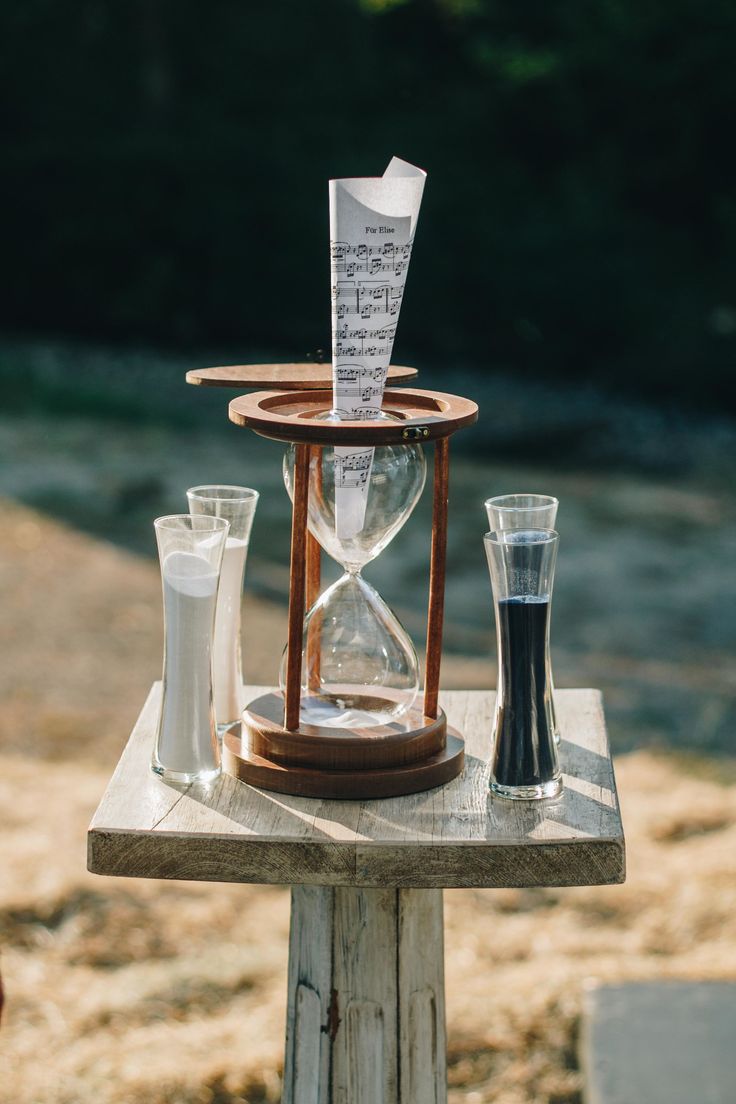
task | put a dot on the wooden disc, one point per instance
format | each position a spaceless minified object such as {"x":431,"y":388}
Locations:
{"x":285,"y":377}
{"x":406,"y":740}
{"x":347,"y":785}
{"x":423,"y":416}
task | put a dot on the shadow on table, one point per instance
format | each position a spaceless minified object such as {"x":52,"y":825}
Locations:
{"x":462,"y":810}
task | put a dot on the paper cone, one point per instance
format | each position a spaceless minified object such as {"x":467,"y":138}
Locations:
{"x":372,"y":224}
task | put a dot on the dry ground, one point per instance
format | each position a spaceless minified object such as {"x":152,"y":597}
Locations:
{"x":170,"y":993}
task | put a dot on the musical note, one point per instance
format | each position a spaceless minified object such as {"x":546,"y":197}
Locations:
{"x":362,"y":333}
{"x":340,"y":251}
{"x":352,"y":469}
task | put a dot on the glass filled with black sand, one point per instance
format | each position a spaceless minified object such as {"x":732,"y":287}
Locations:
{"x":522,"y":565}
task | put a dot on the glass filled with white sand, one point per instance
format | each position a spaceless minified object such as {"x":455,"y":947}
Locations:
{"x":190,"y":552}
{"x":238,"y":506}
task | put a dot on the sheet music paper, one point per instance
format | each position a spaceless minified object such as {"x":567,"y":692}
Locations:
{"x":372,"y":224}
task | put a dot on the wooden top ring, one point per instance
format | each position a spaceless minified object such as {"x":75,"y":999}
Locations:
{"x":285,"y":377}
{"x":424,"y":416}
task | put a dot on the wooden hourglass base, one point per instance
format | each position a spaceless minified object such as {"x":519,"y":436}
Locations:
{"x":410,"y":754}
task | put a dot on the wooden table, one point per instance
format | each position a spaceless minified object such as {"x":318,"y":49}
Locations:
{"x":365,"y":1010}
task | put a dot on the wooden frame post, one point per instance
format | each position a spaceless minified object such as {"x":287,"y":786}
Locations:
{"x":314,"y":575}
{"x":297,"y":588}
{"x":437,"y":563}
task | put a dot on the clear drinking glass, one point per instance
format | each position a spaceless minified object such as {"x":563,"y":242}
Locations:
{"x":522,"y":565}
{"x":521,"y":511}
{"x":238,"y":506}
{"x":190,"y":552}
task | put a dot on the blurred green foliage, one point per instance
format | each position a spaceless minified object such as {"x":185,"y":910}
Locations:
{"x":164,"y":169}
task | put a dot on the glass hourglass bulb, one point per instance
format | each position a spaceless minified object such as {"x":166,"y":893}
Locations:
{"x":359,"y":666}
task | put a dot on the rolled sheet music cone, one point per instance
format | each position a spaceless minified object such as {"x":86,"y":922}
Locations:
{"x":372,"y":224}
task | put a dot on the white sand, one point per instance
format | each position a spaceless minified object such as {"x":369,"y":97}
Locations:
{"x":187,"y":741}
{"x":228,"y":671}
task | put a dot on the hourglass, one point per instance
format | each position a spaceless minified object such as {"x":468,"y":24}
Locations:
{"x":359,"y":665}
{"x":350,"y":721}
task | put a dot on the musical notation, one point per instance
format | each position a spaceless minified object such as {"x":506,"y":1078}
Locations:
{"x":346,"y":349}
{"x":362,"y":333}
{"x":367,"y":310}
{"x":369,"y":257}
{"x":348,"y":375}
{"x":373,"y":267}
{"x":341,"y":251}
{"x":376,"y":296}
{"x":352,"y":469}
{"x":358,"y":386}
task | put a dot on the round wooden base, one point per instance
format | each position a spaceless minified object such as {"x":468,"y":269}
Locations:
{"x":413,"y":754}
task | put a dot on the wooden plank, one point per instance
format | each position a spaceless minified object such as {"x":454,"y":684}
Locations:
{"x":365,"y":1053}
{"x":308,"y":1040}
{"x":455,"y":835}
{"x":307,"y":1081}
{"x":366,"y":1006}
{"x":422,"y":1042}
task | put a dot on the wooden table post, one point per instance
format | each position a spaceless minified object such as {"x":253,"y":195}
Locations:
{"x":366,"y":997}
{"x":365,"y":1006}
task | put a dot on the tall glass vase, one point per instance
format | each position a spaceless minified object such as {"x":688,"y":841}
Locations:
{"x":238,"y":506}
{"x":524,"y":511}
{"x":524,"y":762}
{"x":190,"y":551}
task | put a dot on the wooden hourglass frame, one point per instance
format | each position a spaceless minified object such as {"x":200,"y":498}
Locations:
{"x":273,"y":749}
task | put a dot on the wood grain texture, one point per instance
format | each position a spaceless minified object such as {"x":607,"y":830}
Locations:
{"x":307,"y":1059}
{"x":411,"y":738}
{"x":287,"y":377}
{"x":421,"y":964}
{"x":437,"y":564}
{"x":314,"y":580}
{"x":435,"y":769}
{"x":297,"y":588}
{"x":456,"y":835}
{"x":282,"y":416}
{"x":365,"y":1054}
{"x":366,"y":973}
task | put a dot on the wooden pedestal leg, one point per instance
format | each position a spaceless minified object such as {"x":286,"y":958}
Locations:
{"x":366,"y":1001}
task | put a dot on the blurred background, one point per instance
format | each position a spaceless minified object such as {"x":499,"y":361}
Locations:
{"x":163,"y":184}
{"x":164,"y":177}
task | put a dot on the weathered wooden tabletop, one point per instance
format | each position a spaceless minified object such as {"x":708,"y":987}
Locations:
{"x":456,"y":835}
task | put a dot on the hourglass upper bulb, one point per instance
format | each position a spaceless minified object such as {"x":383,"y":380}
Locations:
{"x":395,"y":484}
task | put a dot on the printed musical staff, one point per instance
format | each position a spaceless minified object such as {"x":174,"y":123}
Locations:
{"x":352,"y":469}
{"x":360,"y":386}
{"x":369,"y":258}
{"x":344,"y":333}
{"x":389,"y":253}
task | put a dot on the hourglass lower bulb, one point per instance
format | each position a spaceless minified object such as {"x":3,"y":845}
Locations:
{"x":359,"y":666}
